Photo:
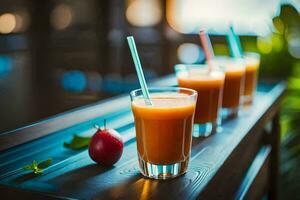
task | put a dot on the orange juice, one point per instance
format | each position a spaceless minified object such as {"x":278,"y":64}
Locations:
{"x":164,"y":129}
{"x":252,"y":65}
{"x":234,"y":69}
{"x":209,"y":86}
{"x":233,"y":86}
{"x":250,"y":79}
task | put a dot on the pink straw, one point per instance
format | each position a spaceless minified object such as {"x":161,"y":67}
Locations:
{"x":207,"y":47}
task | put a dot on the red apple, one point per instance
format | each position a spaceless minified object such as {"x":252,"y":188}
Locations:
{"x":106,"y":146}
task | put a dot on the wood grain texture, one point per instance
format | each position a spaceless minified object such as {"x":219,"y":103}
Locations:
{"x":71,"y":118}
{"x":256,"y":182}
{"x":217,"y":166}
{"x":275,"y":142}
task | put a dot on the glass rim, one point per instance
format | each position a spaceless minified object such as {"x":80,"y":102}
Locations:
{"x":226,"y":58}
{"x":178,"y":67}
{"x":251,"y":54}
{"x":190,"y":65}
{"x":164,"y":89}
{"x":224,"y":61}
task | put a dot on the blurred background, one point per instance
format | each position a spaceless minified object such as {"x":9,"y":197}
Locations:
{"x":56,"y":55}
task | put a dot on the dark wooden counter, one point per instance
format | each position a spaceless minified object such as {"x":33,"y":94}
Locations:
{"x":240,"y":162}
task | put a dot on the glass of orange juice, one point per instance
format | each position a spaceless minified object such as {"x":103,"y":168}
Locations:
{"x":208,"y":82}
{"x":252,"y":65}
{"x":164,"y":130}
{"x":234,"y":69}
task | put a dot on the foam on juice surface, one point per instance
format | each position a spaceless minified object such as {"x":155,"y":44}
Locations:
{"x":252,"y":61}
{"x":230,"y":68}
{"x":201,"y":74}
{"x":229,"y":64}
{"x":165,"y":100}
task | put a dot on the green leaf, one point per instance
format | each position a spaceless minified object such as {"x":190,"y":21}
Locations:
{"x":38,"y":171}
{"x":34,"y":164}
{"x":44,"y":164}
{"x":28,"y":167}
{"x":37,"y":168}
{"x":78,"y":142}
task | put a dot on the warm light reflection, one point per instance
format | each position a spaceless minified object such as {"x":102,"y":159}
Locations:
{"x":145,"y":190}
{"x":144,"y":12}
{"x":7,"y":23}
{"x":19,"y":23}
{"x":146,"y":187}
{"x":22,"y":20}
{"x":61,"y":17}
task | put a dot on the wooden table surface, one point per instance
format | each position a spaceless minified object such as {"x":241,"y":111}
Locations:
{"x":219,"y":168}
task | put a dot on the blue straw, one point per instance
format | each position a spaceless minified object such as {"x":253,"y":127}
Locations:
{"x":234,"y":43}
{"x":139,"y":69}
{"x":238,"y":42}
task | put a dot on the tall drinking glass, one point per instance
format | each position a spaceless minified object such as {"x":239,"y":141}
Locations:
{"x":208,"y":82}
{"x":234,"y":69}
{"x":164,"y":130}
{"x":252,"y":65}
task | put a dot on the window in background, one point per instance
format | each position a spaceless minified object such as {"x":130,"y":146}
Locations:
{"x":248,"y":17}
